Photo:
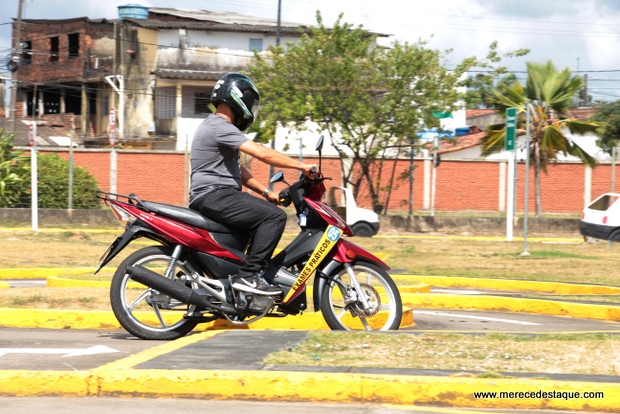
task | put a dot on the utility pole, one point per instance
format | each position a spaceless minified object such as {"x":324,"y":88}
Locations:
{"x":17,"y":45}
{"x":273,"y":141}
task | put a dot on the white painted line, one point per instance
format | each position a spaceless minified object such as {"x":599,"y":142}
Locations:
{"x":482,"y":318}
{"x":65,"y":352}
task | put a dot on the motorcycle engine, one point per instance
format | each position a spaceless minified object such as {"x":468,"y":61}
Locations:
{"x":254,"y":304}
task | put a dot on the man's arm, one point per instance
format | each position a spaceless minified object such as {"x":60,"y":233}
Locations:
{"x":253,"y":184}
{"x":274,"y":158}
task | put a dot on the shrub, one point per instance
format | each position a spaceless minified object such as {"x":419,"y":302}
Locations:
{"x":53,"y":184}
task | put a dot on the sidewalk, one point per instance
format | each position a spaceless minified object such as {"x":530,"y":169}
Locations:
{"x":226,"y":365}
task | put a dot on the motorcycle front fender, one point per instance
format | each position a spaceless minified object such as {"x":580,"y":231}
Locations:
{"x":319,"y":283}
{"x":132,"y":232}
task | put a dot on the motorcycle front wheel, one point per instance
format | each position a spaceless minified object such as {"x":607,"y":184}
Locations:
{"x":343,"y":308}
{"x":143,"y":311}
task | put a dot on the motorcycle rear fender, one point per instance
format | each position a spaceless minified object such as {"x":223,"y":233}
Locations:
{"x":132,"y":232}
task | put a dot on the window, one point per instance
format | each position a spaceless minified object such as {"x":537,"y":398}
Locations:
{"x":195,"y":101}
{"x":201,"y":103}
{"x":256,"y":44}
{"x":74,"y":45}
{"x":165,"y":98}
{"x":105,"y":104}
{"x":27,"y":52}
{"x":54,"y":49}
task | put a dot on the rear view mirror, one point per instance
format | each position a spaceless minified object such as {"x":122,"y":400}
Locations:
{"x":277,"y":177}
{"x":319,"y":144}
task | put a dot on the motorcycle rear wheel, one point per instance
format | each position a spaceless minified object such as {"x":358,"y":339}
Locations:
{"x":386,"y":308}
{"x":142,"y":311}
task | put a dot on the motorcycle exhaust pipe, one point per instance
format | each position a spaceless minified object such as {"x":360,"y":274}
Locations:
{"x":171,"y":288}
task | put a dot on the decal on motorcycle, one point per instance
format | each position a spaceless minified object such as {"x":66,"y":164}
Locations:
{"x":328,"y":241}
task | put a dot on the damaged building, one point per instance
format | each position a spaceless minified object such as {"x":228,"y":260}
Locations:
{"x":155,"y":66}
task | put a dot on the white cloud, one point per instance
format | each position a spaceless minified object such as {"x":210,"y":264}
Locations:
{"x":563,"y":31}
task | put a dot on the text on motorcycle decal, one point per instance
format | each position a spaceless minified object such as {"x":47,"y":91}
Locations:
{"x":328,"y":241}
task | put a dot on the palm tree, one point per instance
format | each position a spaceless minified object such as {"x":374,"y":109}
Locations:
{"x":548,"y":93}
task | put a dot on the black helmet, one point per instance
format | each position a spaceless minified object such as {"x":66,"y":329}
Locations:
{"x":240,"y":93}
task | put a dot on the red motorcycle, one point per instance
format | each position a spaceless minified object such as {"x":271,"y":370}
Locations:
{"x":162,"y":292}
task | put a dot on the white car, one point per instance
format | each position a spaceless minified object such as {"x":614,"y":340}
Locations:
{"x":601,"y":219}
{"x":363,"y":222}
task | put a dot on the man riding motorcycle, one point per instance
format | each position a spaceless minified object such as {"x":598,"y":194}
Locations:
{"x":217,"y":177}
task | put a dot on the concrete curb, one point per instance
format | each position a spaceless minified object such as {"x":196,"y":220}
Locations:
{"x":523,"y":305}
{"x":120,"y":378}
{"x":84,"y":319}
{"x":511,"y":285}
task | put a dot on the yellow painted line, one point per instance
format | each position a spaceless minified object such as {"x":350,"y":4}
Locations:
{"x":509,"y":284}
{"x":483,"y":238}
{"x":56,"y":230}
{"x":149,"y":354}
{"x":504,"y":304}
{"x":4,"y":285}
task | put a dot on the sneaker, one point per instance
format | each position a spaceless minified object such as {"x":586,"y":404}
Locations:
{"x":255,"y":284}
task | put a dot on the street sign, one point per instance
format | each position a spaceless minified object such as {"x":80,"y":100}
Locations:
{"x":112,"y":117}
{"x":511,"y":129}
{"x":32,"y":134}
{"x":112,"y":136}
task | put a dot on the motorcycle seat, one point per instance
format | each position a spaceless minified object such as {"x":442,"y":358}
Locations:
{"x":191,"y":217}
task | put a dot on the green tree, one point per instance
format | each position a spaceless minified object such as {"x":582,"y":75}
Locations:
{"x":370,"y":99}
{"x":53,"y":184}
{"x":609,"y":113}
{"x":14,"y":173}
{"x":490,"y":77}
{"x":548,"y":94}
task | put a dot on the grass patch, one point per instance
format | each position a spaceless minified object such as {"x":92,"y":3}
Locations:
{"x":557,"y":254}
{"x":490,"y":354}
{"x":56,"y":298}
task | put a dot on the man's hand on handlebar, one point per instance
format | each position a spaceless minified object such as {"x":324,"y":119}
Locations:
{"x":272,"y":197}
{"x":310,"y":170}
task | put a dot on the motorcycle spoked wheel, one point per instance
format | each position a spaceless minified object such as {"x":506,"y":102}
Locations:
{"x":142,"y":311}
{"x":386,"y":308}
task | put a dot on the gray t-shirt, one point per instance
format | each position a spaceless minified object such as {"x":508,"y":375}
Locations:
{"x":215,"y":156}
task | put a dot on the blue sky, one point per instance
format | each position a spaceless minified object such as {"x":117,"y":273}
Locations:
{"x":582,"y":35}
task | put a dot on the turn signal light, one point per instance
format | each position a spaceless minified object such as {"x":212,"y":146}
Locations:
{"x":350,"y":254}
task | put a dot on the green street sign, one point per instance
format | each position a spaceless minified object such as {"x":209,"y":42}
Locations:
{"x":511,"y":129}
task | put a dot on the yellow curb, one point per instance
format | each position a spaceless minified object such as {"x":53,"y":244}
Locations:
{"x":20,"y":383}
{"x":499,"y":303}
{"x":4,"y":285}
{"x":83,"y":319}
{"x":510,"y":284}
{"x":314,"y":387}
{"x":58,"y":282}
{"x":42,"y":273}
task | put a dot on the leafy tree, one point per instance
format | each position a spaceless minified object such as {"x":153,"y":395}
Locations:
{"x":53,"y":184}
{"x":14,"y":173}
{"x":479,"y":86}
{"x":548,"y":94}
{"x":369,"y":99}
{"x":609,"y":113}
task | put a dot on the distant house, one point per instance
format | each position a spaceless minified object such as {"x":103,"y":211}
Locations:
{"x":155,"y":66}
{"x":469,"y":145}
